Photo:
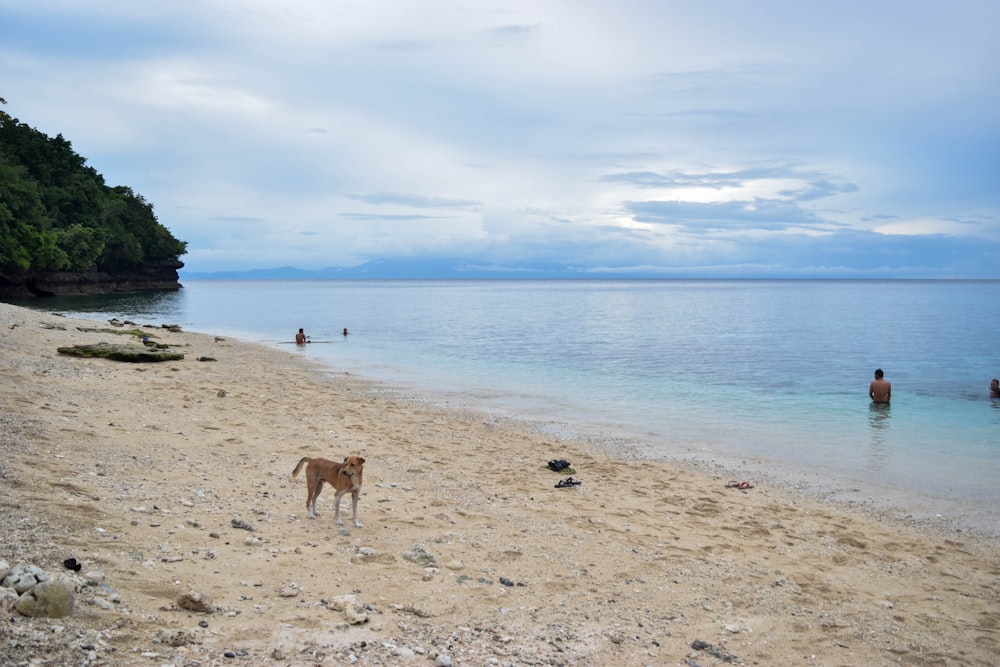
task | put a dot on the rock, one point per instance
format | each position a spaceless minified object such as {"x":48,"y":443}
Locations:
{"x":195,"y":601}
{"x":177,"y":638}
{"x":442,"y":661}
{"x":4,"y":569}
{"x":53,"y":598}
{"x":8,"y":598}
{"x":289,"y":591}
{"x":241,"y":524}
{"x":417,"y":554}
{"x":25,"y":577}
{"x":354,"y":612}
{"x":116,"y":352}
{"x":454,"y":565}
{"x":341,"y":602}
{"x":369,"y":555}
{"x":93,"y":577}
{"x":160,"y":274}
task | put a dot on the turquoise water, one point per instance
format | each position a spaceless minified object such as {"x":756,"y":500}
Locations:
{"x":768,"y":375}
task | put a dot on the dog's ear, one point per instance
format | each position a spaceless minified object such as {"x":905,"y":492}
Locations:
{"x":360,"y":460}
{"x":345,"y":459}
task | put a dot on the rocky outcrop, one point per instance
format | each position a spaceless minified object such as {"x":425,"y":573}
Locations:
{"x":160,"y":275}
{"x":116,"y":352}
{"x":34,"y":592}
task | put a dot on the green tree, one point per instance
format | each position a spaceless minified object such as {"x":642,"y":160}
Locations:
{"x":82,"y":246}
{"x":57,"y":213}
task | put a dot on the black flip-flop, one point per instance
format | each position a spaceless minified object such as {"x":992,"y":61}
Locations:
{"x":569,"y":481}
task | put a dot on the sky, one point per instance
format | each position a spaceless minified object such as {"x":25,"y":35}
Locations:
{"x":719,"y":138}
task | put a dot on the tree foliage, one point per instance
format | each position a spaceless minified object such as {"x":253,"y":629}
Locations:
{"x":57,"y":214}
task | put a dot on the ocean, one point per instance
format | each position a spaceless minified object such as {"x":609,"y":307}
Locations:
{"x":765,"y":380}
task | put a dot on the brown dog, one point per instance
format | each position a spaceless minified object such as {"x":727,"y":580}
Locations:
{"x":343,"y":477}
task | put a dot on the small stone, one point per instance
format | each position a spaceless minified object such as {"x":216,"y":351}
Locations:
{"x":341,"y":602}
{"x":241,"y":524}
{"x":195,"y":601}
{"x":93,"y":577}
{"x":176,"y":639}
{"x":355,"y":614}
{"x":418,"y":554}
{"x":455,"y":565}
{"x":442,"y":661}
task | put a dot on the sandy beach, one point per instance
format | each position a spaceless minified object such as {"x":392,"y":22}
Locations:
{"x":170,"y":484}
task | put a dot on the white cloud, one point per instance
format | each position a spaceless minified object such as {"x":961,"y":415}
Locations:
{"x":635,"y":133}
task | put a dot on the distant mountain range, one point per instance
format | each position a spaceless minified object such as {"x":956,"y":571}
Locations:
{"x":428,"y":269}
{"x":465,"y":269}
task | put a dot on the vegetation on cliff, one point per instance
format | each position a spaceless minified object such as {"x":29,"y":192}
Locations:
{"x":58,"y":215}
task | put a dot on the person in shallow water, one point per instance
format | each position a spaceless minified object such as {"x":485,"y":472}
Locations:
{"x":301,"y":338}
{"x":880,"y":390}
{"x":994,"y":388}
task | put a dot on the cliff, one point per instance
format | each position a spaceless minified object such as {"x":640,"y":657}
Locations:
{"x":159,"y":275}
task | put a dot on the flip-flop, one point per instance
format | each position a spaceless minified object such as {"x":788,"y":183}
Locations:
{"x":744,"y":485}
{"x":732,"y":485}
{"x":569,"y":481}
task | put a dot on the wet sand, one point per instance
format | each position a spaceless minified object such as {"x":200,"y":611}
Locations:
{"x":167,"y":478}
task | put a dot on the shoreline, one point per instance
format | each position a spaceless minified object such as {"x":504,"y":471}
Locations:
{"x":912,"y":507}
{"x":144,"y":471}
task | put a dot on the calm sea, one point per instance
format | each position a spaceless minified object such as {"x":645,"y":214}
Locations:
{"x":766,"y":378}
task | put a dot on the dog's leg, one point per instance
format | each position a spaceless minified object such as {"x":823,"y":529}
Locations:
{"x":313,"y":496}
{"x":336,"y":507}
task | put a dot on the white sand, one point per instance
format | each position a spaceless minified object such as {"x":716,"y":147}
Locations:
{"x":139,"y":471}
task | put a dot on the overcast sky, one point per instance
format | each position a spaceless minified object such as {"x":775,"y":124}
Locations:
{"x":738,"y":138}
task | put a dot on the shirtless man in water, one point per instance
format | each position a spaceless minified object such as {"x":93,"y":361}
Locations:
{"x":880,"y":390}
{"x":301,"y":338}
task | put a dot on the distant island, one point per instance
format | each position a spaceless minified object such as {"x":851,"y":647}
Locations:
{"x":63,"y":231}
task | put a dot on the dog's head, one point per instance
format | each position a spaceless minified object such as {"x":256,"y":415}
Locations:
{"x":352,"y":466}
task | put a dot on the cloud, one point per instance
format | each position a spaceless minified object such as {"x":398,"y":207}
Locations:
{"x":417,"y":201}
{"x":791,"y":138}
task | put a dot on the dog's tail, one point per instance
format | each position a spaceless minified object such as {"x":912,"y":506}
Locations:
{"x":298,"y":468}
